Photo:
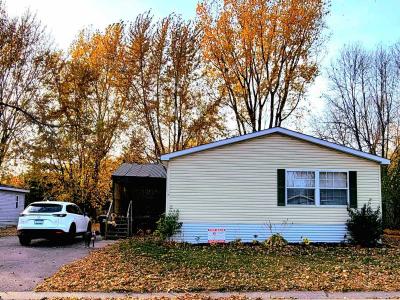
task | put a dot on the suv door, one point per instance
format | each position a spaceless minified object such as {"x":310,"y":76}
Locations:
{"x":77,"y":216}
{"x":81,"y":219}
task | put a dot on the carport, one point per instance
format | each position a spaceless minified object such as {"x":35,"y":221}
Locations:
{"x":138,"y":199}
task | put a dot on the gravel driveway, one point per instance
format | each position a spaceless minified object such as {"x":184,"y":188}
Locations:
{"x":22,"y":268}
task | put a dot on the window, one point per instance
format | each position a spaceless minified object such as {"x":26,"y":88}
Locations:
{"x":16,"y":202}
{"x":78,"y":210}
{"x":43,"y":208}
{"x":316,"y":187}
{"x":333,"y":188}
{"x":301,"y":187}
{"x":73,"y":209}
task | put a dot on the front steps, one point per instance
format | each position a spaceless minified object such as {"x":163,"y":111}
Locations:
{"x":118,"y":229}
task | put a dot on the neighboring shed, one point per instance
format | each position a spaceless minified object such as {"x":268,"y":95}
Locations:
{"x":272,"y":181}
{"x":143,"y":185}
{"x":12,"y":203}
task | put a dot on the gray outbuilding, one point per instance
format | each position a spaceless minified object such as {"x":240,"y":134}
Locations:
{"x":12,"y":203}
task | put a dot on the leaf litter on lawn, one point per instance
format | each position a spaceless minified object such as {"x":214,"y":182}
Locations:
{"x":148,"y":265}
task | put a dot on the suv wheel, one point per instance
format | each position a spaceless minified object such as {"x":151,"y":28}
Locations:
{"x":72,"y":232}
{"x":24,"y":240}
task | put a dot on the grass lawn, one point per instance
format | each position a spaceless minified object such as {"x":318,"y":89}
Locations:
{"x":145,"y":265}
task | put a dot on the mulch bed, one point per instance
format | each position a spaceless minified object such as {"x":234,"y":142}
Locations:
{"x":147,"y":265}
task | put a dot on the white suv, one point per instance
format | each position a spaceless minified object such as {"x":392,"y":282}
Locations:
{"x":51,"y":219}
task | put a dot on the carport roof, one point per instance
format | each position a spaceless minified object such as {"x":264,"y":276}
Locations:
{"x":141,"y":170}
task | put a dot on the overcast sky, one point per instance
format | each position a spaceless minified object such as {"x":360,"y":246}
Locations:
{"x":369,"y":22}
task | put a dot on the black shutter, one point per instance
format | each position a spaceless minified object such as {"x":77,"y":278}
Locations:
{"x":353,"y":188}
{"x":281,"y":187}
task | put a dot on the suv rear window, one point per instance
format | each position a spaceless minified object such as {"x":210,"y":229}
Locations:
{"x":43,"y":208}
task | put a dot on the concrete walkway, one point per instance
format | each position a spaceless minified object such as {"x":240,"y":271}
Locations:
{"x":253,"y":295}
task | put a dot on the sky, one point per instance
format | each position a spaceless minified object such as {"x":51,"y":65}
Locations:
{"x":368,"y":22}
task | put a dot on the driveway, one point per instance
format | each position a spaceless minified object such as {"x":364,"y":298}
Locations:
{"x":22,"y":268}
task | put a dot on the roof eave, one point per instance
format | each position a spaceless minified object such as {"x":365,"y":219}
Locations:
{"x":14,"y":190}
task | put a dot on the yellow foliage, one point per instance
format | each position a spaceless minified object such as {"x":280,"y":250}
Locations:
{"x":263,"y":54}
{"x":74,"y":160}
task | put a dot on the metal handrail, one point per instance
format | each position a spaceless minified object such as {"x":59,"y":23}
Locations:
{"x":129,"y":218}
{"x":108,"y":218}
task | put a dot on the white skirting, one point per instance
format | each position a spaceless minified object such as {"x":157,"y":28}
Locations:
{"x":200,"y":232}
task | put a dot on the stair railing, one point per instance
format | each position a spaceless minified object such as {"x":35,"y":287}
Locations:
{"x":129,"y":217}
{"x":108,"y":218}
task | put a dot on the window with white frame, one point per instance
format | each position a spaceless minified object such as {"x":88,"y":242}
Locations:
{"x":333,"y":188}
{"x":316,"y":187}
{"x":300,"y":187}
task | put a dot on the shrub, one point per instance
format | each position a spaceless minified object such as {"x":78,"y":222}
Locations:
{"x":275,"y":241}
{"x":391,"y":195}
{"x":168,"y":225}
{"x":305,"y":241}
{"x":364,"y":225}
{"x":237,"y":242}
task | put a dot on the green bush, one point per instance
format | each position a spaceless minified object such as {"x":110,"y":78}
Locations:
{"x":364,"y":225}
{"x":168,"y":225}
{"x":275,"y":241}
{"x":391,"y":195}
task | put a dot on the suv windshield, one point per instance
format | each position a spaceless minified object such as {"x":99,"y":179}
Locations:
{"x":43,"y":208}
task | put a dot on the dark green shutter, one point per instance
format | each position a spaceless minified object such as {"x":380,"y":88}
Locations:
{"x":281,"y":187}
{"x":353,"y":188}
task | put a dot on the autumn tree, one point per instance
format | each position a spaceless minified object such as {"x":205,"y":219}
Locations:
{"x":166,"y":87}
{"x":263,"y":54}
{"x":87,"y":103}
{"x":24,"y":50}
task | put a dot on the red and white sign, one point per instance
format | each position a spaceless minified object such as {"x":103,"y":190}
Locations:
{"x":216,"y":235}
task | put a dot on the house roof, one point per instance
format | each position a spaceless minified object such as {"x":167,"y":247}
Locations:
{"x":11,"y":188}
{"x":283,"y":131}
{"x":141,"y":170}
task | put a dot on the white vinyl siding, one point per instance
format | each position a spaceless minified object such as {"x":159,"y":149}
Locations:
{"x":237,"y":183}
{"x":9,"y":213}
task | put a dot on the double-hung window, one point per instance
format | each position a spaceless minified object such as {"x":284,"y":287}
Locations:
{"x":333,"y":188}
{"x":300,"y":187}
{"x":316,"y":187}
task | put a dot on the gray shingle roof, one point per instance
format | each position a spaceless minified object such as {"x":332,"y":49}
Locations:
{"x":141,"y":170}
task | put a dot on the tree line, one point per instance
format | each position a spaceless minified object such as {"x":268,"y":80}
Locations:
{"x":363,"y":112}
{"x":138,"y":89}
